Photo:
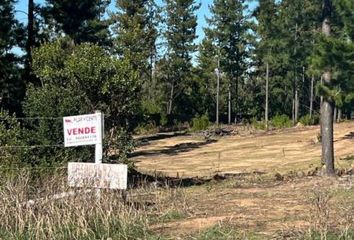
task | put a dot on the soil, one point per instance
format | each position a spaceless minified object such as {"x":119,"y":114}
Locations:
{"x":271,"y":193}
{"x":281,"y":151}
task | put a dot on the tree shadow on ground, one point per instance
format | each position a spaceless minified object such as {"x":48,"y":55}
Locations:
{"x":173,"y":150}
{"x":159,"y":136}
{"x":347,"y":136}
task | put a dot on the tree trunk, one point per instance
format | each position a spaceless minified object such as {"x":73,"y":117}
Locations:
{"x":327,"y":105}
{"x":236,"y":101}
{"x":321,"y":98}
{"x":297,"y":104}
{"x":311,"y":95}
{"x":169,"y":108}
{"x":293,"y":109}
{"x":295,"y":92}
{"x":295,"y":101}
{"x":217,"y":93}
{"x":339,"y":118}
{"x":229,"y":105}
{"x":30,"y":40}
{"x":267,"y":96}
{"x":327,"y":136}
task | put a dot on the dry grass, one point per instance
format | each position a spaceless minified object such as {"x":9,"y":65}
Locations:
{"x":31,"y":209}
{"x":250,"y":207}
{"x":281,"y":151}
{"x":82,"y":216}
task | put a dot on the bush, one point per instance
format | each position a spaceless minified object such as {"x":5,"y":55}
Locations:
{"x":258,"y":124}
{"x":163,"y":119}
{"x":200,"y":123}
{"x":150,"y":107}
{"x":77,"y":80}
{"x":307,"y":120}
{"x":11,"y":135}
{"x":281,"y":121}
{"x":146,"y":128}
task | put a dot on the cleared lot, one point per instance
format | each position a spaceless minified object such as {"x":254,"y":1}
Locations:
{"x":275,"y":151}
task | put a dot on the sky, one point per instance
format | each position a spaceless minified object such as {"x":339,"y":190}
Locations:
{"x":203,"y":12}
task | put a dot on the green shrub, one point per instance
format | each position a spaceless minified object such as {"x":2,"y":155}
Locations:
{"x":281,"y":121}
{"x":77,"y":80}
{"x":163,"y":119}
{"x":146,"y":128}
{"x":123,"y":142}
{"x":171,"y":215}
{"x":307,"y":120}
{"x":12,"y":137}
{"x":200,"y":123}
{"x":224,"y":232}
{"x":150,"y":107}
{"x":258,"y":124}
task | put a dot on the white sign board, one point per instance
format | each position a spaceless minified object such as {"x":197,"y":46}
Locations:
{"x":111,"y":176}
{"x":82,"y":130}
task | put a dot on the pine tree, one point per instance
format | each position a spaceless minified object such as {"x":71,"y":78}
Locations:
{"x":81,"y":20}
{"x":135,"y":28}
{"x":207,"y":76}
{"x":267,"y":32}
{"x":333,"y":58}
{"x":11,"y":87}
{"x":181,"y":21}
{"x":298,"y":22}
{"x":229,"y":29}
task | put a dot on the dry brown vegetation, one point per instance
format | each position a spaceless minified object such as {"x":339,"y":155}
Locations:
{"x":271,"y":197}
{"x":275,"y":151}
{"x":252,"y":207}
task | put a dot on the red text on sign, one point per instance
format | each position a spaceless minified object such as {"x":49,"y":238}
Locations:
{"x":81,"y":131}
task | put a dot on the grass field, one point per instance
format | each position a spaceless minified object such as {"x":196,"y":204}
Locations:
{"x":281,"y":151}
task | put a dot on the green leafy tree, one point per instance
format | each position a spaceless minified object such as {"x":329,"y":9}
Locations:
{"x":11,"y":134}
{"x":77,"y":79}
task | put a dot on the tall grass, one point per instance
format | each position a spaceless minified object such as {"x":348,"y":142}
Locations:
{"x":81,"y":216}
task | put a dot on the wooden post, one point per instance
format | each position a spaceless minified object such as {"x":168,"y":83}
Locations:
{"x":98,"y":146}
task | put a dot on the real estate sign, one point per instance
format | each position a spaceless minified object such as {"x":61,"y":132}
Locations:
{"x":88,"y":130}
{"x":82,"y":130}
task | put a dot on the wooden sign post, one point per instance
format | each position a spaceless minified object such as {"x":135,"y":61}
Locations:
{"x":98,"y":145}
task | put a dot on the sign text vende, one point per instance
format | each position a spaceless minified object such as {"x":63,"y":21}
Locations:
{"x":82,"y":130}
